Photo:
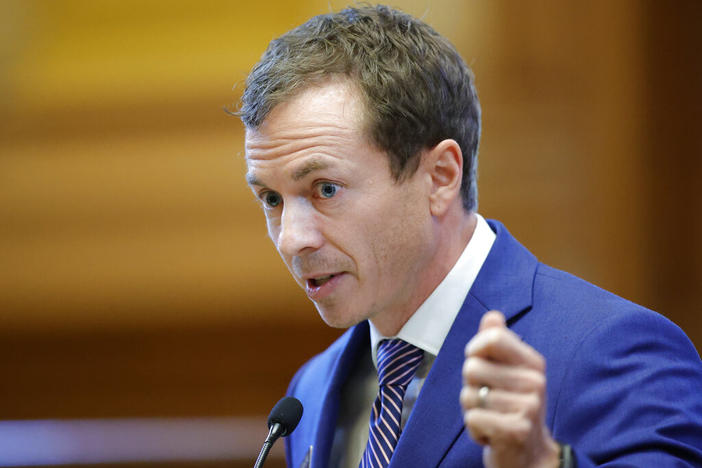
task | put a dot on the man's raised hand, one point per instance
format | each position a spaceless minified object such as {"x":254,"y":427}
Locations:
{"x":504,"y":398}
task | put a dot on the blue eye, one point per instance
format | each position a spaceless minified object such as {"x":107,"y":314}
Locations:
{"x":327,"y":189}
{"x":271,"y":199}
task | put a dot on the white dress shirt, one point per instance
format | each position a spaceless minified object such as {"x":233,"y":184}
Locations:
{"x":427,"y":329}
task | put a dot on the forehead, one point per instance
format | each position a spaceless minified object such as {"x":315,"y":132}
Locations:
{"x":333,"y":101}
{"x":319,"y":123}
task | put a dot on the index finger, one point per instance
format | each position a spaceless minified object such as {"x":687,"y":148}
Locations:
{"x":492,"y":319}
{"x":500,"y":344}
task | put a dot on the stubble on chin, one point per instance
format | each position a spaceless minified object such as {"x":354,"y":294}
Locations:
{"x":336,"y":318}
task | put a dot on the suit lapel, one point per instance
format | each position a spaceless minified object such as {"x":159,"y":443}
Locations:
{"x":436,"y":422}
{"x":326,"y":423}
{"x":436,"y":419}
{"x":506,"y":279}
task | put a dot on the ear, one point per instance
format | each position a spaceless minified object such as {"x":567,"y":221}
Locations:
{"x":445,"y":166}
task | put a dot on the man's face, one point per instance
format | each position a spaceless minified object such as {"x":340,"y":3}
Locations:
{"x":353,"y":238}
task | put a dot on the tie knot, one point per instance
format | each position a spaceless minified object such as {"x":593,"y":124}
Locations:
{"x":397,"y":362}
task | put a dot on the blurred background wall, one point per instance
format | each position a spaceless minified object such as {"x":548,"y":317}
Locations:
{"x":136,"y":278}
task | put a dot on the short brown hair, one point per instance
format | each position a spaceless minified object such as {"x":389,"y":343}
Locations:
{"x":417,"y":89}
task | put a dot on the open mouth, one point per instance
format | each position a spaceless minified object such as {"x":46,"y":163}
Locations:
{"x":317,"y":282}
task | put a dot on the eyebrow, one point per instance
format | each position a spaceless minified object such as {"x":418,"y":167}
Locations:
{"x":306,"y":169}
{"x":251,"y":179}
{"x":310,"y":166}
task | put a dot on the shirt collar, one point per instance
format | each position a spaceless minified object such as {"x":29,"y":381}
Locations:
{"x":428,"y":327}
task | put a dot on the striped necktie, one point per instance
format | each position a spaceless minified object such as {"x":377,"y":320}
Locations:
{"x":397,"y":363}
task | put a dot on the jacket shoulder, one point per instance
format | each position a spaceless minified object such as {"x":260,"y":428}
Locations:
{"x":619,"y":374}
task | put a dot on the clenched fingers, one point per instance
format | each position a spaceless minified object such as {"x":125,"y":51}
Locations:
{"x":478,"y":371}
{"x":501,"y":401}
{"x":497,"y":429}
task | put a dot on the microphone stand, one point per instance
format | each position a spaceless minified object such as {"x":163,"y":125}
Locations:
{"x":275,"y":431}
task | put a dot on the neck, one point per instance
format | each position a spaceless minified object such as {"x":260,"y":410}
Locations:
{"x":452,"y":236}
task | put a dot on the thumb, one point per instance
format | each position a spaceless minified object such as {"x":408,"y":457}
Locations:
{"x":492,"y":319}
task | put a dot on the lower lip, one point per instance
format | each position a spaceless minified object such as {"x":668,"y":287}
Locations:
{"x":317,"y":293}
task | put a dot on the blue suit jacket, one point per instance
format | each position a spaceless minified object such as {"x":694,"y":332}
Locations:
{"x":624,"y":384}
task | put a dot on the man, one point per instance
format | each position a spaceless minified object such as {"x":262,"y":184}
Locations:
{"x":361,"y":145}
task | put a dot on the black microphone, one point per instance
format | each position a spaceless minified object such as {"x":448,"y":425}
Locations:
{"x":281,"y":422}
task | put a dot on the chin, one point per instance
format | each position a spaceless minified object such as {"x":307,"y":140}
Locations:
{"x":340,"y":318}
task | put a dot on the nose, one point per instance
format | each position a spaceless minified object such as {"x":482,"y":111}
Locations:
{"x":299,"y":229}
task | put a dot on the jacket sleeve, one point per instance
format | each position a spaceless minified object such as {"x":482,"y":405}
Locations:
{"x":635,"y":398}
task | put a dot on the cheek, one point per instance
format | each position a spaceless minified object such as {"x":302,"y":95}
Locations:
{"x":404,"y":239}
{"x":273,"y":226}
{"x":393,"y":238}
